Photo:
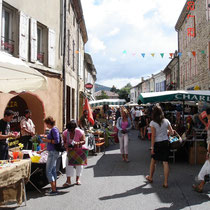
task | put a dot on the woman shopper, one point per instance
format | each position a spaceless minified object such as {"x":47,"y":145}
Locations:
{"x":73,"y":137}
{"x":124,"y":125}
{"x":159,"y":143}
{"x":52,"y":138}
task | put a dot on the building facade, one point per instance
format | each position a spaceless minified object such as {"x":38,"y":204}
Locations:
{"x":194,"y":63}
{"x":160,"y":82}
{"x":32,"y":34}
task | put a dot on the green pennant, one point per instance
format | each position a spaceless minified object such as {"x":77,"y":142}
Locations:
{"x":202,"y":51}
{"x":162,"y":54}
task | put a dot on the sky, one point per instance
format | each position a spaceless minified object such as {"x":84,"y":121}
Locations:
{"x":119,"y":31}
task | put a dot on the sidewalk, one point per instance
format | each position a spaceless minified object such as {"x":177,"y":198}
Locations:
{"x":109,"y":183}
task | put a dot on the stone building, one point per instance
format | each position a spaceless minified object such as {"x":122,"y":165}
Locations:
{"x":111,"y":95}
{"x":160,"y":82}
{"x":193,"y":27}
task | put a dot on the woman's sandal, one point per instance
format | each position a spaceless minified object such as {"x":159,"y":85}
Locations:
{"x":78,"y":183}
{"x":148,"y":179}
{"x":197,"y":189}
{"x":165,"y":186}
{"x":66,"y":184}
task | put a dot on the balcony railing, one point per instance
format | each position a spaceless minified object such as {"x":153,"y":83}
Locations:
{"x":7,"y":45}
{"x":40,"y":57}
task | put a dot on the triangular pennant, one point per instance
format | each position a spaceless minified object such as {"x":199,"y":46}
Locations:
{"x":143,"y":55}
{"x":189,"y":54}
{"x":153,"y":54}
{"x":194,"y":53}
{"x":133,"y":54}
{"x":124,"y":51}
{"x":202,"y":51}
{"x":162,"y":54}
{"x":179,"y":54}
{"x":77,"y":52}
{"x":171,"y":55}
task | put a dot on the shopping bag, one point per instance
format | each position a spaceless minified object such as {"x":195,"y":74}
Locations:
{"x":175,"y":141}
{"x":77,"y":156}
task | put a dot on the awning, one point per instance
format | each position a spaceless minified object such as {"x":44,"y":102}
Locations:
{"x":15,"y":75}
{"x":107,"y":101}
{"x":180,"y":95}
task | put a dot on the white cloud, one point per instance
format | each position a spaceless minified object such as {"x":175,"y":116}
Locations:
{"x":113,"y":32}
{"x":140,"y":26}
{"x":96,"y":44}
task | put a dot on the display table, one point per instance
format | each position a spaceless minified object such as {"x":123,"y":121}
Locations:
{"x":12,"y":181}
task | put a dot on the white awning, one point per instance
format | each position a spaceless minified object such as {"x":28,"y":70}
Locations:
{"x":15,"y":75}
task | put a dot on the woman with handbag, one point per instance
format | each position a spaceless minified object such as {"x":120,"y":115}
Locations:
{"x":124,"y":125}
{"x":52,"y":138}
{"x":159,"y":143}
{"x":73,"y":138}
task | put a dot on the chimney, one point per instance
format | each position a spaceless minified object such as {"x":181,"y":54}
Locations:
{"x":142,"y":79}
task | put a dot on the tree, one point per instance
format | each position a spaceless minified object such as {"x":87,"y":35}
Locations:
{"x":114,"y":89}
{"x":102,"y":96}
{"x":125,"y":92}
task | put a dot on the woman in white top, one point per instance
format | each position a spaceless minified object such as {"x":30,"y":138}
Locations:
{"x":159,"y":143}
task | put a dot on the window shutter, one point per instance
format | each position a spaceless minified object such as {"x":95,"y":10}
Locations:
{"x":33,"y":40}
{"x":0,"y":16}
{"x":51,"y":48}
{"x":23,"y":36}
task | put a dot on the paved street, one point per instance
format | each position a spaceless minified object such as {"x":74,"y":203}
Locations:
{"x":109,"y":183}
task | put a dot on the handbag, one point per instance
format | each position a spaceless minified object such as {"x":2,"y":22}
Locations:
{"x":77,"y":156}
{"x":60,"y":146}
{"x":175,"y":141}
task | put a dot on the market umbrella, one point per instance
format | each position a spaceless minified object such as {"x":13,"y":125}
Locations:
{"x":15,"y":75}
{"x":180,"y":95}
{"x":88,"y":108}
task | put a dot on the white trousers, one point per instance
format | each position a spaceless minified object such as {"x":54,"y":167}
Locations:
{"x":70,"y":170}
{"x":205,"y":170}
{"x":123,"y":143}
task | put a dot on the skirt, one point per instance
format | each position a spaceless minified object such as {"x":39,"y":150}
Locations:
{"x":162,"y":151}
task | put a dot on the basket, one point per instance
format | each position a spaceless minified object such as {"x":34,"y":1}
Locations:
{"x":77,"y":156}
{"x":175,"y":141}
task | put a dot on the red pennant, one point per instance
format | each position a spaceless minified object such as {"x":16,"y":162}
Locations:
{"x":171,"y":54}
{"x":88,"y":108}
{"x":194,"y":53}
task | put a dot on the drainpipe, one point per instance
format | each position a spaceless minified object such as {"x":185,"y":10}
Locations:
{"x":64,"y":66}
{"x":78,"y":65}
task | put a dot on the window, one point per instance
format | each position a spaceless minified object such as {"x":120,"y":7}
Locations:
{"x":74,"y":20}
{"x":73,"y":103}
{"x":7,"y":44}
{"x":207,"y":10}
{"x":68,"y":104}
{"x":40,"y":51}
{"x":68,"y":48}
{"x":73,"y":56}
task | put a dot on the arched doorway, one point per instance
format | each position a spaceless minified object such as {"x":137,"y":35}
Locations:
{"x":27,"y":101}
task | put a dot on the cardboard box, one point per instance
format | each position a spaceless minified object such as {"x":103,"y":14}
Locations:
{"x":200,"y":156}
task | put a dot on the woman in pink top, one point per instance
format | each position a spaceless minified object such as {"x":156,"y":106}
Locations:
{"x":73,"y":137}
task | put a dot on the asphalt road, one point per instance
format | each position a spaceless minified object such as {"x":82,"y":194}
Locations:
{"x":110,"y":184}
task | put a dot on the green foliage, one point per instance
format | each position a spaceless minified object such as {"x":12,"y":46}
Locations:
{"x":125,"y":92}
{"x":114,"y":89}
{"x":102,"y":96}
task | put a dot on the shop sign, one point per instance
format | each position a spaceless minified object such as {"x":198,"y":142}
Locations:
{"x":89,"y":86}
{"x":191,"y":97}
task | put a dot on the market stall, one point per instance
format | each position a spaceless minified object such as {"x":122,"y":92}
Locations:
{"x":13,"y":175}
{"x":182,"y":108}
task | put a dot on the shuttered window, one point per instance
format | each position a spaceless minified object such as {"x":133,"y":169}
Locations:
{"x":208,"y":10}
{"x":33,"y":39}
{"x":68,"y":48}
{"x":51,"y":48}
{"x":23,"y":36}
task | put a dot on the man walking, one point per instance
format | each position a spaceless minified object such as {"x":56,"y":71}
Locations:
{"x":5,"y":133}
{"x":27,"y":130}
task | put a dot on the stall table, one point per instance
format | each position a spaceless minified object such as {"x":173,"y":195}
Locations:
{"x":12,"y":181}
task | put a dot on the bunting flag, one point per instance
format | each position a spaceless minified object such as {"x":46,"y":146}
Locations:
{"x":171,"y":55}
{"x":162,"y":55}
{"x":179,"y":54}
{"x":143,"y":55}
{"x":189,"y":54}
{"x":202,"y":51}
{"x":133,"y":54}
{"x":194,"y":53}
{"x":153,"y":55}
{"x":77,"y":52}
{"x":124,"y":52}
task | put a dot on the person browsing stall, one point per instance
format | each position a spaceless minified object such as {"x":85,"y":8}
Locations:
{"x":159,"y":143}
{"x":52,"y":138}
{"x":27,"y":130}
{"x":83,"y":122}
{"x":5,"y":133}
{"x":124,"y":125}
{"x":73,"y":137}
